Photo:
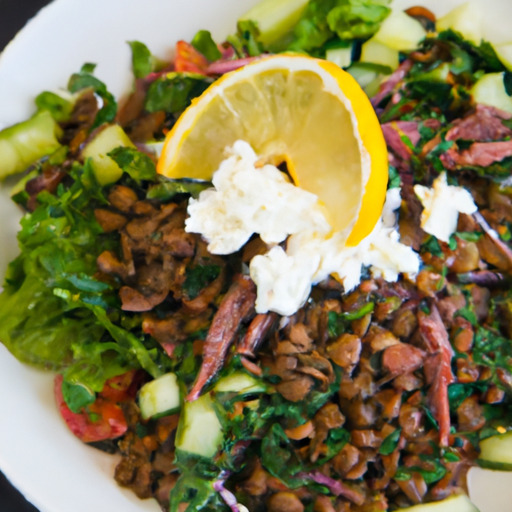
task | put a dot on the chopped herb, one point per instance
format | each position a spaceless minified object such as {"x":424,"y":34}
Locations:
{"x":136,"y":164}
{"x":199,"y":277}
{"x":432,"y":246}
{"x":468,"y":314}
{"x":394,"y":178}
{"x":142,"y":60}
{"x":84,"y":79}
{"x":165,"y":189}
{"x":204,"y":44}
{"x":173,"y":92}
{"x":338,"y":323}
{"x":390,"y":443}
{"x":59,"y":107}
{"x":77,"y":396}
{"x":458,"y":392}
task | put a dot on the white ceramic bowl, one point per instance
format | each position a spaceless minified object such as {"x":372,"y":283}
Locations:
{"x":38,"y":454}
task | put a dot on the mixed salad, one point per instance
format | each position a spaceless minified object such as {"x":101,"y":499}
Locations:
{"x":376,"y":398}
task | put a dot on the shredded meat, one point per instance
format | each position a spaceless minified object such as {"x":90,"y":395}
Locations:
{"x":236,"y":305}
{"x":392,"y":83}
{"x":484,"y":124}
{"x":438,"y":369}
{"x":480,"y":154}
{"x":395,"y":132}
{"x":256,"y":333}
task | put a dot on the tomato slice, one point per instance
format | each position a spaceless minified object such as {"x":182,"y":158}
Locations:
{"x":104,"y":419}
{"x":189,"y":59}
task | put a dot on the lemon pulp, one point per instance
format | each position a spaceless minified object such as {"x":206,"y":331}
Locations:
{"x":297,"y":109}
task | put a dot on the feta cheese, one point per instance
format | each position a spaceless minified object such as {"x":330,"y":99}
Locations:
{"x":283,"y":282}
{"x":381,"y":250}
{"x":284,"y":279}
{"x":248,"y":199}
{"x":442,"y":204}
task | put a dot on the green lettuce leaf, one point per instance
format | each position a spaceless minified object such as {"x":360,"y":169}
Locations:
{"x":204,"y":43}
{"x":54,"y":312}
{"x":324,"y":20}
{"x":173,"y":92}
{"x":138,"y":165}
{"x":357,"y":19}
{"x":313,"y":30}
{"x":142,"y":60}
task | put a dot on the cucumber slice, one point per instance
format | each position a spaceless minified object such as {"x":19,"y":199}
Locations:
{"x":239,"y":382}
{"x":275,"y":18}
{"x":199,"y":429}
{"x":105,"y":169}
{"x":160,"y":397}
{"x":368,"y":75}
{"x":378,"y":53}
{"x":340,"y":56}
{"x":496,"y":452}
{"x":24,"y":143}
{"x":457,"y":503}
{"x":465,"y":19}
{"x":504,"y":53}
{"x":400,"y":32}
{"x":490,"y":90}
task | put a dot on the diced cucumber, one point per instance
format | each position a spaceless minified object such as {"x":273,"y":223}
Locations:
{"x":199,"y":429}
{"x":340,"y":56}
{"x":504,"y":53}
{"x":457,"y":503}
{"x":25,"y":143}
{"x":275,"y":18}
{"x":160,"y":396}
{"x":378,"y":53}
{"x":400,"y":32}
{"x":105,"y":169}
{"x":368,"y":75}
{"x":490,"y":90}
{"x":496,"y":452}
{"x":465,"y":19}
{"x":240,"y":382}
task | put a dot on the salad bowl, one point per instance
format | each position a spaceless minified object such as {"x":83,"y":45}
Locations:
{"x":55,"y":471}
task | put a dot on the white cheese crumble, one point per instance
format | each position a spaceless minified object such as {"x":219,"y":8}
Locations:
{"x":381,"y":250}
{"x":284,"y":279}
{"x":247,"y":199}
{"x":442,"y":204}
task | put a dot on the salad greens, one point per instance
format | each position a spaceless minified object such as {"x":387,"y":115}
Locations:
{"x":69,"y":320}
{"x":337,"y":415}
{"x":325,"y":20}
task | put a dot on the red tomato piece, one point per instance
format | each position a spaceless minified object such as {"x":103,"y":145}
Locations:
{"x":101,"y":420}
{"x":189,"y":59}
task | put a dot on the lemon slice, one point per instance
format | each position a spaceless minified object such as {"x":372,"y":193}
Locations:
{"x":304,"y":111}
